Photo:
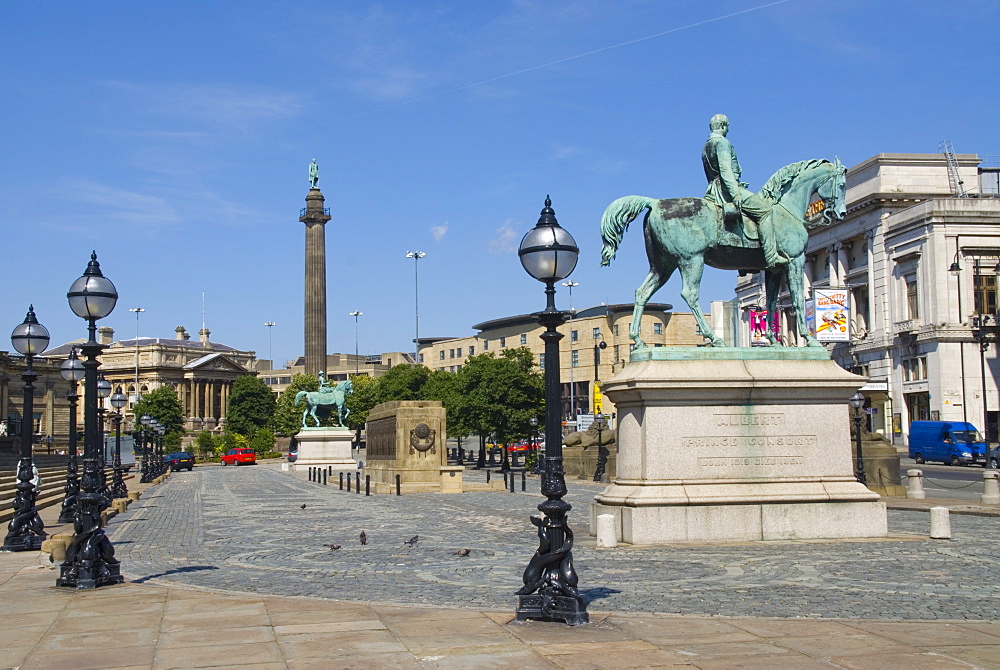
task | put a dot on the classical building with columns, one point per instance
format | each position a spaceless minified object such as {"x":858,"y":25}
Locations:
{"x":200,"y":371}
{"x":50,"y":423}
{"x":917,"y":261}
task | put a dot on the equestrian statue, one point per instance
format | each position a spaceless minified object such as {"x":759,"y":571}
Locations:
{"x":730,"y":228}
{"x":325,"y":396}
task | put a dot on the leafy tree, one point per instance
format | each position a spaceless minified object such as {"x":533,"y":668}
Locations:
{"x":251,"y":405}
{"x":204,"y":443}
{"x":444,"y":386}
{"x":402,"y":382}
{"x":361,"y":399}
{"x":162,"y":404}
{"x":262,"y":441}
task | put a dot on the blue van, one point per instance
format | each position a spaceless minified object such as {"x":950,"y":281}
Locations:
{"x":951,"y":442}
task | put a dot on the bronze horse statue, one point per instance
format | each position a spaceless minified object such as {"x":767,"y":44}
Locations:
{"x":688,"y":233}
{"x":337,"y":396}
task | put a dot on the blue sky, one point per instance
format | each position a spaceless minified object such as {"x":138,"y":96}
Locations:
{"x":174,"y":139}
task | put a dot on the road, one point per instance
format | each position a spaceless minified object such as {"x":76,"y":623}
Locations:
{"x":261,"y":530}
{"x":964,"y":482}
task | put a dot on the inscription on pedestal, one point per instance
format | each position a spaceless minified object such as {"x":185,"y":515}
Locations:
{"x":749,"y":441}
{"x":740,"y":461}
{"x":757,"y":419}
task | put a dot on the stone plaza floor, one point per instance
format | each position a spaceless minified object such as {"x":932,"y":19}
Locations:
{"x":226,"y":569}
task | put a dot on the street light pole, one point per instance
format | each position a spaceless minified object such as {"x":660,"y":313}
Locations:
{"x":270,"y":349}
{"x":357,"y":365}
{"x":26,"y":531}
{"x":118,"y":487}
{"x":572,"y":386}
{"x":857,"y":402}
{"x":416,"y":256}
{"x":549,"y":253}
{"x":72,"y":371}
{"x":138,"y":311}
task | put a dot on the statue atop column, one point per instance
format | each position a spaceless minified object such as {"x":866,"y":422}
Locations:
{"x":313,"y":174}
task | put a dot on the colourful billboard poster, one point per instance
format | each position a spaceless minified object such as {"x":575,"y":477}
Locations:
{"x":833,"y":317}
{"x":811,"y":317}
{"x":758,"y":328}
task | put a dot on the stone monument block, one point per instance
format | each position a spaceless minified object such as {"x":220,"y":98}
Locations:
{"x":325,"y":446}
{"x":735,"y":445}
{"x":407,"y":438}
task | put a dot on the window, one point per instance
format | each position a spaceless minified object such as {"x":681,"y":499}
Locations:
{"x":524,"y":339}
{"x":486,"y":345}
{"x":441,"y":354}
{"x":615,"y":329}
{"x":912,"y":298}
{"x":575,"y":358}
{"x":914,"y":369}
{"x":597,"y":333}
{"x":986,"y":294}
{"x":541,"y":361}
{"x":472,"y":350}
{"x":574,"y":336}
{"x":451,"y":353}
{"x":860,"y":299}
{"x":421,"y":358}
{"x":618,"y":355}
{"x":657,"y":328}
{"x":503,"y":342}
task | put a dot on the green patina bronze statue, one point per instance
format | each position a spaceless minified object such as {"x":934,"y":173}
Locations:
{"x":314,"y":174}
{"x":325,"y":396}
{"x":731,"y":228}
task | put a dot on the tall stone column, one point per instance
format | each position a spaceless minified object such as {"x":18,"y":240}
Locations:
{"x":315,"y":216}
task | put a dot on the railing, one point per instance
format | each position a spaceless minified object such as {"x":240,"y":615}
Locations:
{"x":302,"y":212}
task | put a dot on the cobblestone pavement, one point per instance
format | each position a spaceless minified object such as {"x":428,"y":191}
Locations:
{"x":244,"y":529}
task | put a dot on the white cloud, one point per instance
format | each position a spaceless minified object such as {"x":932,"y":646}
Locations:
{"x":506,"y":238}
{"x":112,"y":204}
{"x":439,"y":231}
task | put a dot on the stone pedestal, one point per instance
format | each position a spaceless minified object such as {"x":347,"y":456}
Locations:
{"x":735,"y":445}
{"x":407,"y":438}
{"x":327,"y":447}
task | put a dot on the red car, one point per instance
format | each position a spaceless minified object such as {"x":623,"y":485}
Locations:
{"x":238,"y":456}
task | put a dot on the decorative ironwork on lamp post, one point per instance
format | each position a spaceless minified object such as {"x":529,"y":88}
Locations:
{"x":26,"y":531}
{"x":549,"y":253}
{"x":118,"y":487}
{"x":72,"y":371}
{"x":103,"y":391}
{"x":90,"y":556}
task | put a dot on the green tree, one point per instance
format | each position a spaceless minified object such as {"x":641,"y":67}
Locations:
{"x":444,"y":386}
{"x":251,"y":405}
{"x":262,"y":441}
{"x":362,"y":399}
{"x":204,"y":443}
{"x":162,"y":404}
{"x":402,"y":382}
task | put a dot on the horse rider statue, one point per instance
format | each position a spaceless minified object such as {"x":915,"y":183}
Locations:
{"x":722,"y":169}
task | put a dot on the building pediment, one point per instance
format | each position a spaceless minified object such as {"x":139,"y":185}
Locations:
{"x":214,"y":363}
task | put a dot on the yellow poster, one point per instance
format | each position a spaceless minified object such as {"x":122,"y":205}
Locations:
{"x":598,"y":398}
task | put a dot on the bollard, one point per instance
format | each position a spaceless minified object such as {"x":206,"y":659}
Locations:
{"x":325,"y":473}
{"x":357,"y":483}
{"x":348,"y":482}
{"x":607,"y":537}
{"x":505,"y":480}
{"x":524,"y":481}
{"x":991,"y":488}
{"x":940,"y":523}
{"x":397,"y":484}
{"x":512,"y":482}
{"x":329,"y":469}
{"x":368,"y":485}
{"x":341,"y":481}
{"x":487,"y":476}
{"x":915,"y":484}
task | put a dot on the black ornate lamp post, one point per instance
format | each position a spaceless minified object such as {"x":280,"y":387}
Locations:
{"x":72,"y":371}
{"x":118,"y":488}
{"x":161,"y":467}
{"x":26,"y":530}
{"x":90,"y":556}
{"x":549,"y":253}
{"x":147,"y":471}
{"x":103,"y":391}
{"x":856,"y":402}
{"x":536,"y":466}
{"x":600,"y":473}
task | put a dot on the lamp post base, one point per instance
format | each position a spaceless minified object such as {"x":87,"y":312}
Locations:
{"x":90,"y":557}
{"x":545,"y":607}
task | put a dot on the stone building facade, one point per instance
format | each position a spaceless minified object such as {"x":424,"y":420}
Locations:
{"x":200,"y":371}
{"x":51,"y":408}
{"x":913,"y":321}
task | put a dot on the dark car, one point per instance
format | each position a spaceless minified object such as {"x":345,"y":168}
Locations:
{"x":293,"y":455}
{"x":179,"y":460}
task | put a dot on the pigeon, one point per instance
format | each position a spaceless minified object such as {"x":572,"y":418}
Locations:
{"x":463,"y":552}
{"x":363,"y":538}
{"x":302,"y":506}
{"x":413,"y":541}
{"x":333,"y":547}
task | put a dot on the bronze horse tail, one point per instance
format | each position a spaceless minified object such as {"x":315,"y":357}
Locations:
{"x":615,"y":222}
